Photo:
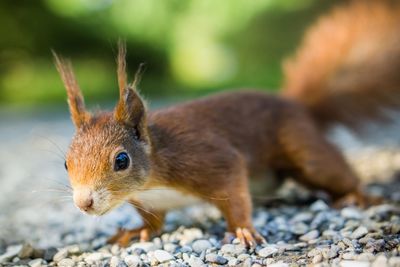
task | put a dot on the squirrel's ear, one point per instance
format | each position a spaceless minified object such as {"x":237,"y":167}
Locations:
{"x":131,"y":109}
{"x":79,"y":115}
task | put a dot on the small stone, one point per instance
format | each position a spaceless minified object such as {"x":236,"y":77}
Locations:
{"x":319,"y":205}
{"x":365,"y":257}
{"x":201,"y":245}
{"x":317,"y":259}
{"x":394,"y":261}
{"x":314,"y":252}
{"x":163,"y":256}
{"x":267,"y":251}
{"x":132,"y":260}
{"x":243,"y":257}
{"x":303,"y":217}
{"x":228,"y":249}
{"x":299,"y":228}
{"x":381,"y":260}
{"x":115,"y":262}
{"x":186,"y":249}
{"x":170,"y":247}
{"x":231,"y":249}
{"x":195,"y":262}
{"x":189,"y":235}
{"x":329,"y":253}
{"x":214,"y":258}
{"x":66,"y":262}
{"x":11,"y":252}
{"x":233,"y":262}
{"x":309,"y":236}
{"x":351,"y":213}
{"x":60,"y":255}
{"x":395,"y":229}
{"x":145,"y":246}
{"x":26,"y":251}
{"x":74,"y":250}
{"x":94,"y":257}
{"x":269,"y":261}
{"x":35,"y":263}
{"x":279,"y":264}
{"x":359,"y":232}
{"x":354,"y":264}
{"x":49,"y":253}
{"x":246,"y":263}
{"x":349,"y":256}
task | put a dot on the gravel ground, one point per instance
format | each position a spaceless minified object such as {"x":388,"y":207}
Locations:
{"x":39,"y":225}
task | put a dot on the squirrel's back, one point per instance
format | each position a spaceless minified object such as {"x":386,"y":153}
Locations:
{"x":348,"y":66}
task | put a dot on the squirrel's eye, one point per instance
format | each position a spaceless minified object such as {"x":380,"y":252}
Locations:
{"x":65,"y":165}
{"x":121,"y":161}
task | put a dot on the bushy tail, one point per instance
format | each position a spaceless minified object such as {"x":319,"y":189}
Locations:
{"x":347,"y":69}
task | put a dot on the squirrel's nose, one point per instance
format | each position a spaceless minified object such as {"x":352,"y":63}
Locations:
{"x":83,"y":199}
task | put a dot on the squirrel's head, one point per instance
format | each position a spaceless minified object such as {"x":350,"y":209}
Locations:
{"x":109,"y":156}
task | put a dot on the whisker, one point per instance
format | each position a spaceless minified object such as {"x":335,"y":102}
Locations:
{"x":53,"y":143}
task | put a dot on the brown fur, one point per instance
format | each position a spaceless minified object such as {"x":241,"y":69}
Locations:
{"x":348,"y":66}
{"x":210,"y":147}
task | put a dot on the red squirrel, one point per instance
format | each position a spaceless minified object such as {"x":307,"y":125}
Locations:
{"x":206,"y":150}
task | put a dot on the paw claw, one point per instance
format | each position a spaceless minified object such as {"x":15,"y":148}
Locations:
{"x":124,"y":237}
{"x":249,"y":238}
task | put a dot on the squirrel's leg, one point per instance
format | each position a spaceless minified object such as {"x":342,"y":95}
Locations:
{"x":236,"y":208}
{"x":153,"y":222}
{"x":319,"y":164}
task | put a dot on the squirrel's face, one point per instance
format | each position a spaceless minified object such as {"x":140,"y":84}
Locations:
{"x":107,"y":162}
{"x":109,"y":157}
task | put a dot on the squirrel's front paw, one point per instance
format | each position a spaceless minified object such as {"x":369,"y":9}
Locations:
{"x":123,"y":236}
{"x":358,"y":198}
{"x":249,"y":238}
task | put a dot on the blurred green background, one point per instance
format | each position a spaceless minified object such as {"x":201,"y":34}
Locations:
{"x":191,"y":47}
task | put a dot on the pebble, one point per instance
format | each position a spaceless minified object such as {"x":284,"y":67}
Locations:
{"x":94,"y":257}
{"x":279,"y":264}
{"x":234,"y":250}
{"x":359,"y":232}
{"x":309,"y":236}
{"x":145,"y":246}
{"x":35,"y":263}
{"x":299,"y":228}
{"x":49,"y":253}
{"x":132,"y":260}
{"x":267,"y":251}
{"x":215,"y":258}
{"x":354,"y":264}
{"x":170,"y":247}
{"x":319,"y":205}
{"x":351,"y":213}
{"x":380,"y":261}
{"x":317,"y":258}
{"x":163,"y":256}
{"x":60,"y":255}
{"x":10,"y":253}
{"x":26,"y":251}
{"x":67,"y":262}
{"x":329,"y":253}
{"x":199,"y":246}
{"x":394,"y":262}
{"x":195,"y":262}
{"x":115,"y":262}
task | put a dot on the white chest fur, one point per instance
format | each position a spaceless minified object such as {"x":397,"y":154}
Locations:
{"x":163,"y":198}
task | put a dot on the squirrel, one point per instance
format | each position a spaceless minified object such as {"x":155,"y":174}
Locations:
{"x":346,"y":70}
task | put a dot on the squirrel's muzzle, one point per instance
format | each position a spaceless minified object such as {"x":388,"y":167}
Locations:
{"x":83,"y":199}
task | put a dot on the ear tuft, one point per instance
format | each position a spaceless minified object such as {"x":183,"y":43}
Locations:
{"x":76,"y":103}
{"x":130,"y":109}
